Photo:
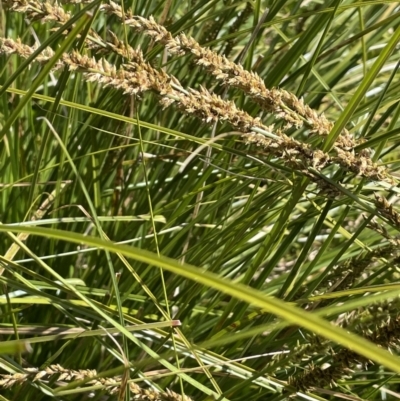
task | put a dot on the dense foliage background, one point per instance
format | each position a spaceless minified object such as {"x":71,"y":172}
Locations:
{"x":174,"y":226}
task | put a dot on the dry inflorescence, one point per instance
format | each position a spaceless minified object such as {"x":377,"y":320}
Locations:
{"x":283,"y":104}
{"x":46,"y":12}
{"x":208,"y":106}
{"x":111,"y":384}
{"x":37,"y":10}
{"x":138,"y":76}
{"x":11,"y":46}
{"x":387,"y":210}
{"x":360,"y":165}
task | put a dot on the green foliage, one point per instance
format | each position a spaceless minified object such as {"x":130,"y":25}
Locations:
{"x":159,"y":242}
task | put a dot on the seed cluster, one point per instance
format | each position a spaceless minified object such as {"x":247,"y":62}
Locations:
{"x":282,"y":104}
{"x":111,"y":385}
{"x":387,"y":210}
{"x":137,"y":76}
{"x":37,"y":10}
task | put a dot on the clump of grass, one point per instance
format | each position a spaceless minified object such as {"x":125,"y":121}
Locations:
{"x":133,"y":104}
